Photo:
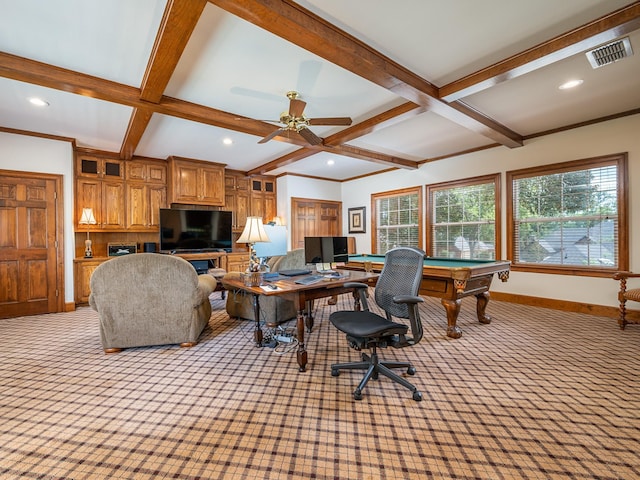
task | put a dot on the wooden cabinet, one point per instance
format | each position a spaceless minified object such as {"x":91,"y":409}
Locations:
{"x":263,"y":198}
{"x":83,"y":269}
{"x":237,"y":261}
{"x":236,"y":198}
{"x":196,"y":182}
{"x":106,"y":198}
{"x":100,"y":186}
{"x":98,"y":167}
{"x":146,"y":171}
{"x":146,"y":194}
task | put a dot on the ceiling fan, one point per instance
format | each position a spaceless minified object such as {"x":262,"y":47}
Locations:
{"x":295,"y":121}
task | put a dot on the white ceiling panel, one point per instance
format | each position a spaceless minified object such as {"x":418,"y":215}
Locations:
{"x":93,"y":123}
{"x":443,"y":41}
{"x":342,"y":168}
{"x":111,"y":39}
{"x":166,"y":136}
{"x":234,"y":66}
{"x":533,"y":102}
{"x":424,"y":136}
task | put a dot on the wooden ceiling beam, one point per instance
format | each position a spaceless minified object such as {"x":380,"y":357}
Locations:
{"x":383,"y":120}
{"x":178,"y":22}
{"x":37,"y":73}
{"x":586,"y":37}
{"x":301,"y":27}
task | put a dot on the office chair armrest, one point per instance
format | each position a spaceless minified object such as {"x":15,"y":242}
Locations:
{"x":408,"y":299}
{"x":361,"y":289}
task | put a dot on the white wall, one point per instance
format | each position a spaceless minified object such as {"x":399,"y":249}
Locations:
{"x":33,"y":154}
{"x":615,"y":136}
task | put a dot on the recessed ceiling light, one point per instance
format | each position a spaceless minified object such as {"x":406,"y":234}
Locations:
{"x":227,"y":141}
{"x":38,"y":102}
{"x":330,"y":162}
{"x":570,"y":84}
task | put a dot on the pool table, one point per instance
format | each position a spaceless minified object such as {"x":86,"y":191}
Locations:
{"x":449,"y":279}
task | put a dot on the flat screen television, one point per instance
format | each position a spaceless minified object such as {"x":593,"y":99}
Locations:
{"x":195,"y":230}
{"x":325,"y":249}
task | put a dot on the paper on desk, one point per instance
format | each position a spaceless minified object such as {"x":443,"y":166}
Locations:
{"x":268,"y":288}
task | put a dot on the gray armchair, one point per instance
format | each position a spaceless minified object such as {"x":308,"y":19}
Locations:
{"x":150,"y":299}
{"x":274,"y":309}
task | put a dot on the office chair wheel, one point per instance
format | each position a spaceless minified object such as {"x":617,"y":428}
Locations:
{"x":417,"y":396}
{"x":335,"y":372}
{"x":357,"y":395}
{"x":411,"y":370}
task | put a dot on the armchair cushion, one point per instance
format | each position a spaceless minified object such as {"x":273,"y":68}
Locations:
{"x":150,"y":299}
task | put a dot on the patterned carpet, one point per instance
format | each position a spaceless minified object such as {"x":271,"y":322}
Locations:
{"x":537,"y":394}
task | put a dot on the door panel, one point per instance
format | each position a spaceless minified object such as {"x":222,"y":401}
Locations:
{"x":29,"y":265}
{"x":314,"y":218}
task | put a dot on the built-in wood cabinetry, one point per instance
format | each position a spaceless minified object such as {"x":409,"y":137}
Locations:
{"x":100,"y":186}
{"x":237,"y":261}
{"x":123,"y":195}
{"x":237,"y":198}
{"x":196,"y":182}
{"x":263,"y":198}
{"x":83,"y":269}
{"x":146,"y":188}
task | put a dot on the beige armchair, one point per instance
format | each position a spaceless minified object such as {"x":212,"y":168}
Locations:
{"x":150,"y":299}
{"x":625,"y":294}
{"x":274,"y":309}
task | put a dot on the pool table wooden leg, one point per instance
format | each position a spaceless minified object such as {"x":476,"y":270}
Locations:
{"x":453,"y":309}
{"x":481,"y":306}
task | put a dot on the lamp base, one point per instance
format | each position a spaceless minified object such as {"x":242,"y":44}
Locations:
{"x":88,"y":253}
{"x":252,"y":279}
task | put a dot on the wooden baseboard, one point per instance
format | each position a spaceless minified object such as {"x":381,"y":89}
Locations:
{"x":69,"y":307}
{"x":633,"y":316}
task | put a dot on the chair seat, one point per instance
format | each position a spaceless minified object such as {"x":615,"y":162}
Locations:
{"x":365,"y":324}
{"x":633,"y":294}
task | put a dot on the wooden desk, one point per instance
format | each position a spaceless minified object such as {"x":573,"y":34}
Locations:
{"x":302,"y":295}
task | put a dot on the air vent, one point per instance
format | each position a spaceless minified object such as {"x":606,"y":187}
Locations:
{"x":610,"y":53}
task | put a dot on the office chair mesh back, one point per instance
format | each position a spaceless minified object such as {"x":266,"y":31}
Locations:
{"x":399,"y":277}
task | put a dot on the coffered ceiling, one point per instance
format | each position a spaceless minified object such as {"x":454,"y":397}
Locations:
{"x":421,"y":80}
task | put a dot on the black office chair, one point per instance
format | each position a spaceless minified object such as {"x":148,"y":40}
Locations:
{"x":397,"y":294}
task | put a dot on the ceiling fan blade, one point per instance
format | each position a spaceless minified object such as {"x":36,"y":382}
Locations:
{"x":296,"y":107}
{"x":271,"y":135}
{"x":330,"y":121}
{"x":309,"y":136}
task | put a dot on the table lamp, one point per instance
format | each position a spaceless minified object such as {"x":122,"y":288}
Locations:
{"x":253,"y":232}
{"x":87,"y":218}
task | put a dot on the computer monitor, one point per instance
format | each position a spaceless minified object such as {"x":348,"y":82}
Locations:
{"x":325,"y":249}
{"x":278,"y":244}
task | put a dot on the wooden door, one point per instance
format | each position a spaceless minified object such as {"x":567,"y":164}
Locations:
{"x":314,"y":218}
{"x":31,"y":266}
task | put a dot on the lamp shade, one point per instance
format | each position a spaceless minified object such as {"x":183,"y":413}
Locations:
{"x":253,"y":231}
{"x":87,"y":217}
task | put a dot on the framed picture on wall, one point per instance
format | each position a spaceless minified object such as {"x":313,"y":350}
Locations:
{"x":357,"y":219}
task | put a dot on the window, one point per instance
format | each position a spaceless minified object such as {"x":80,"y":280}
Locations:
{"x":464,"y":219}
{"x":396,"y":219}
{"x":570,"y":217}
